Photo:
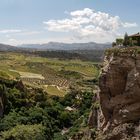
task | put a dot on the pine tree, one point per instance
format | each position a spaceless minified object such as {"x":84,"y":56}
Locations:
{"x":126,"y":40}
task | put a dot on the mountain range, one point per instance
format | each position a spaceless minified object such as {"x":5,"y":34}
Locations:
{"x":56,"y":46}
{"x":4,"y":47}
{"x":67,"y":46}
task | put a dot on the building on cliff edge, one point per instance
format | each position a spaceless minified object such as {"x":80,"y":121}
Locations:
{"x":135,"y":38}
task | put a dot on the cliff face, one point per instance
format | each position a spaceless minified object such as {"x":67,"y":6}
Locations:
{"x":119,"y":84}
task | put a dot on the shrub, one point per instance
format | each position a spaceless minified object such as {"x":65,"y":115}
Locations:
{"x":24,"y":132}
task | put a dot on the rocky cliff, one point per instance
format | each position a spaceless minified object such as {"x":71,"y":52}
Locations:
{"x":119,"y":116}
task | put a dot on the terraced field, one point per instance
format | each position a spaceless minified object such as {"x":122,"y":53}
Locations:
{"x":42,"y":71}
{"x":28,"y":74}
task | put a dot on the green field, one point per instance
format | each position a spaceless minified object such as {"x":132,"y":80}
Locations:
{"x":41,"y":71}
{"x":53,"y":90}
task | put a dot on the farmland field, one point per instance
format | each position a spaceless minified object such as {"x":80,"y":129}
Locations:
{"x":54,"y":90}
{"x":59,"y":75}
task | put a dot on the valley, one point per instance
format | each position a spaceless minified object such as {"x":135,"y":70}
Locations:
{"x":69,"y":70}
{"x":51,"y":74}
{"x":49,"y":97}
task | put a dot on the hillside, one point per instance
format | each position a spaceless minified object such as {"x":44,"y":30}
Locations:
{"x":56,"y":46}
{"x":60,"y":99}
{"x":83,"y":51}
{"x":66,"y":46}
{"x":51,"y":98}
{"x":4,"y":47}
{"x":30,"y":113}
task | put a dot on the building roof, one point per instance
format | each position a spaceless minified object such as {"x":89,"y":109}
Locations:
{"x":135,"y":35}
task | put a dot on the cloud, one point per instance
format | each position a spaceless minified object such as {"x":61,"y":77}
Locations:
{"x":88,"y":23}
{"x":17,"y":36}
{"x":26,"y":32}
{"x":129,"y":25}
{"x":84,"y":12}
{"x":10,"y":31}
{"x":12,"y":40}
{"x":20,"y":41}
{"x":19,"y":32}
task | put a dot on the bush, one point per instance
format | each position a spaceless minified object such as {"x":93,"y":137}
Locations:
{"x":24,"y":132}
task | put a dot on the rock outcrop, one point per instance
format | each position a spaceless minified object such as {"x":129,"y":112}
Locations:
{"x":119,"y":117}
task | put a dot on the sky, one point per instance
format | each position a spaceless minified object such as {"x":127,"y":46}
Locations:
{"x":42,"y":21}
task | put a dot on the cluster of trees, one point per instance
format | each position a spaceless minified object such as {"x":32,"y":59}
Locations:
{"x":33,"y":114}
{"x":85,"y":55}
{"x":126,"y":41}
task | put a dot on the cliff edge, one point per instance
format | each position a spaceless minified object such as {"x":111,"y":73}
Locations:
{"x":119,"y":116}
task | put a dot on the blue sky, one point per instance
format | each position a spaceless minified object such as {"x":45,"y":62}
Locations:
{"x":41,"y":21}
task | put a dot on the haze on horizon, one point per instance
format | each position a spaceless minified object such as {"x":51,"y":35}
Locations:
{"x":30,"y":22}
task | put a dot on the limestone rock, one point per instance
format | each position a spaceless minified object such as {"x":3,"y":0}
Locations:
{"x":120,"y":97}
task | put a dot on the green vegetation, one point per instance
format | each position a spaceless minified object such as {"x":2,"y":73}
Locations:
{"x":44,"y":99}
{"x":130,"y":51}
{"x":4,"y":75}
{"x":30,"y":113}
{"x":128,"y":41}
{"x":40,"y":71}
{"x":53,"y":90}
{"x":25,"y":132}
{"x":8,"y":74}
{"x":119,"y":41}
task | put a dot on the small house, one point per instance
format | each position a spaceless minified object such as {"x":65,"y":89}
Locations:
{"x":135,"y":38}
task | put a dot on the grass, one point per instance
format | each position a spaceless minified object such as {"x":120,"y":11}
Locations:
{"x":53,"y":90}
{"x":28,"y":74}
{"x":85,"y":70}
{"x":20,"y":62}
{"x":5,"y":73}
{"x":33,"y":66}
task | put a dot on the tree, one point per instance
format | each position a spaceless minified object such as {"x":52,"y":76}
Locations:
{"x":66,"y":119}
{"x":126,"y":40}
{"x":119,"y":41}
{"x":131,"y":42}
{"x":138,"y":42}
{"x":113,"y":44}
{"x":24,"y":132}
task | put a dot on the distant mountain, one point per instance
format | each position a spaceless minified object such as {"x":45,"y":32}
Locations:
{"x":56,"y":46}
{"x":67,"y":46}
{"x":4,"y":47}
{"x":85,"y":51}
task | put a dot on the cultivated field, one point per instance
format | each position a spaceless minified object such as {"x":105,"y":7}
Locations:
{"x":57,"y":74}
